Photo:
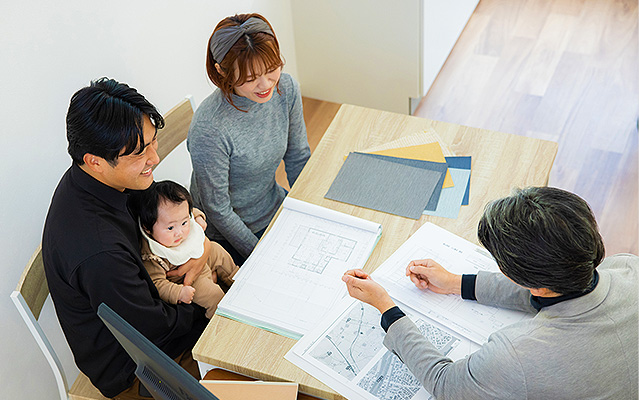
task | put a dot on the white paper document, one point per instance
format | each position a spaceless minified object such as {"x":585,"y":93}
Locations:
{"x":468,"y":318}
{"x":293,"y":277}
{"x":346,"y":352}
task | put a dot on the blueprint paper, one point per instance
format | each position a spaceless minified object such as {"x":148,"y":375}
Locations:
{"x":461,"y":162}
{"x":468,"y":318}
{"x":346,"y":352}
{"x":396,"y":187}
{"x":434,"y":166}
{"x":293,"y":277}
{"x":451,"y":198}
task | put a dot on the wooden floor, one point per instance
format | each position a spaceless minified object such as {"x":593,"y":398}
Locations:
{"x":561,"y":70}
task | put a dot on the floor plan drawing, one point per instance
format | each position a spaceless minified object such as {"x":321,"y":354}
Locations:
{"x":293,"y":276}
{"x":316,"y":249}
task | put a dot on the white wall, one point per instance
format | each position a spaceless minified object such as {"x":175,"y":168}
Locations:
{"x":443,"y":23}
{"x":375,"y":53}
{"x":50,"y":49}
{"x":362,"y":52}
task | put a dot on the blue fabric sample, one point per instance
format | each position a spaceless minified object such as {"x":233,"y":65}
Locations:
{"x":450,"y":200}
{"x":461,"y":162}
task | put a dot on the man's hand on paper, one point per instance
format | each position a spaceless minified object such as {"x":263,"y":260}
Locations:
{"x":427,"y":274}
{"x":362,"y":287}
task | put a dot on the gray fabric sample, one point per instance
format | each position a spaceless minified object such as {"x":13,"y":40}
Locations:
{"x":383,"y":185}
{"x":430,"y":165}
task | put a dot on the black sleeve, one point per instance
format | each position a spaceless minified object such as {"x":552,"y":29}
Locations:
{"x":391,"y":315}
{"x":116,"y":279}
{"x":468,"y":287}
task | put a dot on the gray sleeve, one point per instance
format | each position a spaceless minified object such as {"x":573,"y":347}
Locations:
{"x":297,"y":151}
{"x":492,"y":372}
{"x":210,"y":156}
{"x":494,"y":289}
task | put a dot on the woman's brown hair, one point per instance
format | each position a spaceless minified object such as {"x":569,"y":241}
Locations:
{"x":253,"y":53}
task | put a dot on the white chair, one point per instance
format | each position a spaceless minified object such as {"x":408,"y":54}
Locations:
{"x":32,"y":290}
{"x":29,"y":297}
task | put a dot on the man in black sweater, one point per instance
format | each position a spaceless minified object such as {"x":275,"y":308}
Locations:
{"x":90,"y":243}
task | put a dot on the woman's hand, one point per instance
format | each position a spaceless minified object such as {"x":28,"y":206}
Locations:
{"x":362,"y":287}
{"x":427,"y":274}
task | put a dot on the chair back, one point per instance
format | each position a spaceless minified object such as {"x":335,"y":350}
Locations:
{"x":176,"y":127}
{"x":33,"y":284}
{"x":29,"y":297}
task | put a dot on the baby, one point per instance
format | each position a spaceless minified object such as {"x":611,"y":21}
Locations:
{"x":173,"y":233}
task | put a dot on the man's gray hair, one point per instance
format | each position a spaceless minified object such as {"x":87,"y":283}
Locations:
{"x":543,"y":237}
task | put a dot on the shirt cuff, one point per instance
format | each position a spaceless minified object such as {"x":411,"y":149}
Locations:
{"x":391,"y":315}
{"x":468,"y":287}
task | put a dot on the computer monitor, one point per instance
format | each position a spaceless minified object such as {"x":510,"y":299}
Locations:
{"x":164,"y":378}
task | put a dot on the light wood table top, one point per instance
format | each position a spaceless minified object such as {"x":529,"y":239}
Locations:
{"x":500,"y":162}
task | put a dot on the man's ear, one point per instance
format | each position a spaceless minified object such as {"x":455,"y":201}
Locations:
{"x":93,"y":162}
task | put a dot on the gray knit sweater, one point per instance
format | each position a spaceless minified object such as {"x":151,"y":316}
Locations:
{"x":235,"y":155}
{"x":583,"y":348}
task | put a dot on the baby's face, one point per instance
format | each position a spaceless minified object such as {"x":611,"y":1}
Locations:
{"x":173,"y":224}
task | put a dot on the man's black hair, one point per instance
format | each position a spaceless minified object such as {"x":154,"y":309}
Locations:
{"x":106,"y":119}
{"x":543,"y":237}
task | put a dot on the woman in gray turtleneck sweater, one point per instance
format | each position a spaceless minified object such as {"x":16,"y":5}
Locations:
{"x":241,"y":133}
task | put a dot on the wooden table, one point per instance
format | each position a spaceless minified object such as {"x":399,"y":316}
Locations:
{"x":500,"y":162}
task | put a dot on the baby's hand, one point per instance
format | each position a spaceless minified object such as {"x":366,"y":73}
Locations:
{"x":186,"y":294}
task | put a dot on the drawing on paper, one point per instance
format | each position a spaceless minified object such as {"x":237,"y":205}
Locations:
{"x":352,"y":342}
{"x":316,"y":249}
{"x":442,"y":340}
{"x":390,"y":379}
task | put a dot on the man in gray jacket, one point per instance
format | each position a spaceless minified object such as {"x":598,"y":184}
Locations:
{"x":582,"y":341}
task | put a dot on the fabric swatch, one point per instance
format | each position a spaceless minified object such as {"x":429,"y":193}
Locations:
{"x":380,"y":184}
{"x":429,"y":165}
{"x":461,"y":162}
{"x":451,"y":198}
{"x":425,"y":152}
